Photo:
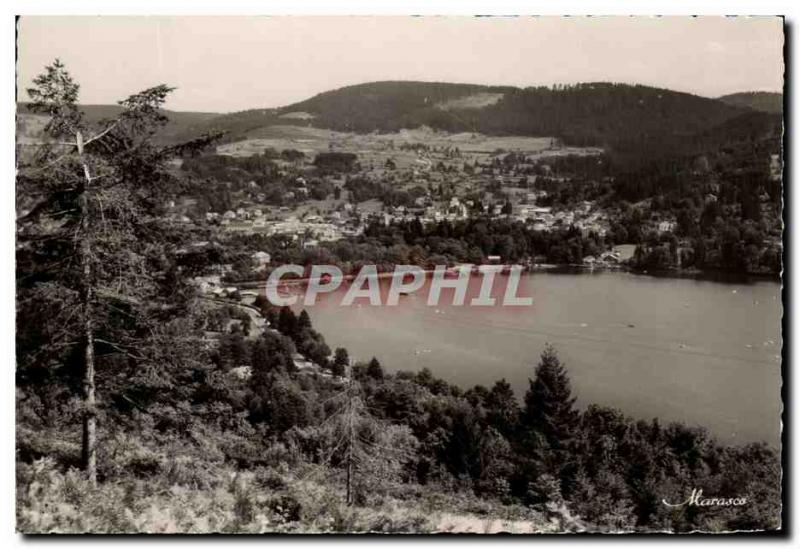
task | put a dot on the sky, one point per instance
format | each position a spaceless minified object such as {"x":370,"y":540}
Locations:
{"x":226,"y":64}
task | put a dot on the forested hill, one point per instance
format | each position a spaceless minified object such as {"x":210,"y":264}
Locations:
{"x":584,"y":114}
{"x":761,"y":101}
{"x":635,"y":122}
{"x":633,"y":119}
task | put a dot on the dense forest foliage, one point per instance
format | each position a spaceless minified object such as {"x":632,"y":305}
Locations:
{"x":593,"y":468}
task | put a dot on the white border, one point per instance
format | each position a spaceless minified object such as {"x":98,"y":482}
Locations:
{"x":318,"y":7}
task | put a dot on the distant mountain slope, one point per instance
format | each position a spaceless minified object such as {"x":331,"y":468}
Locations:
{"x":632,"y":121}
{"x":390,"y":106}
{"x":585,"y":114}
{"x":750,"y":127}
{"x":616,"y":116}
{"x":761,"y":101}
{"x":180,"y":123}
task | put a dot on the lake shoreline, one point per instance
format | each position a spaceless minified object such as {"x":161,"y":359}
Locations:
{"x":571,"y":268}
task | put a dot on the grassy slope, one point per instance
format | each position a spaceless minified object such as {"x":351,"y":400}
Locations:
{"x":194,"y":497}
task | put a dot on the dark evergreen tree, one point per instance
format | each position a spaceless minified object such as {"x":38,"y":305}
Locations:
{"x":549,"y":404}
{"x":502,"y":408}
{"x":287,"y":322}
{"x":303,"y":320}
{"x":374,"y":369}
{"x":95,"y":254}
{"x":341,"y":361}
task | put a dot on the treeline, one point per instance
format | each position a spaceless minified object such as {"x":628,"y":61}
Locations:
{"x":471,"y":240}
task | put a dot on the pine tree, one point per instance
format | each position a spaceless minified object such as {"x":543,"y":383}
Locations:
{"x":374,"y":369}
{"x":303,"y":320}
{"x":287,"y":322}
{"x":547,"y":427}
{"x":341,"y":361}
{"x":94,"y":254}
{"x":372,"y":452}
{"x":549,"y":404}
{"x":502,"y":408}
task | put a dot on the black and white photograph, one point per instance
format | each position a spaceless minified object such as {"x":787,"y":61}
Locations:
{"x":394,"y":274}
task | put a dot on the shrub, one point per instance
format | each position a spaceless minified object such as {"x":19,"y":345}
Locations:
{"x":270,"y":479}
{"x":286,"y":507}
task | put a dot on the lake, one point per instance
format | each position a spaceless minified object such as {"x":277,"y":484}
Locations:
{"x":698,"y":351}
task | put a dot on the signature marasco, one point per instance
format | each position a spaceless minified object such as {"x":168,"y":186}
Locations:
{"x":696,"y":499}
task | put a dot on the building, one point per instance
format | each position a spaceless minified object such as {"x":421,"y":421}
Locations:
{"x":612,"y":258}
{"x":666,"y":226}
{"x":262,"y":259}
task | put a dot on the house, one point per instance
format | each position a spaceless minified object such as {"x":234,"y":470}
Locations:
{"x":230,"y":291}
{"x":666,"y":226}
{"x":262,"y":259}
{"x":775,"y":167}
{"x":207,"y":284}
{"x":612,"y":258}
{"x":242,"y":373}
{"x":303,"y":364}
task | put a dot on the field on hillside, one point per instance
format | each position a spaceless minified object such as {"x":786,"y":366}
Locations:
{"x":376,"y":148}
{"x":474,"y":101}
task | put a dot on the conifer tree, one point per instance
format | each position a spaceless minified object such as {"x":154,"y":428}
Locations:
{"x":374,"y":369}
{"x":548,"y":425}
{"x":549,"y":404}
{"x":95,"y":260}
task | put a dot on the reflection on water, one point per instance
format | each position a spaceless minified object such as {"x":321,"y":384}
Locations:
{"x":698,"y":351}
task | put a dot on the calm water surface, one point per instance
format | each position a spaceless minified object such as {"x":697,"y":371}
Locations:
{"x":697,"y":351}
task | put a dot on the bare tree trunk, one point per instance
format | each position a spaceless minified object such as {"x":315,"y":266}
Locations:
{"x":89,"y":418}
{"x":87,"y":298}
{"x":351,"y":436}
{"x":350,"y":443}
